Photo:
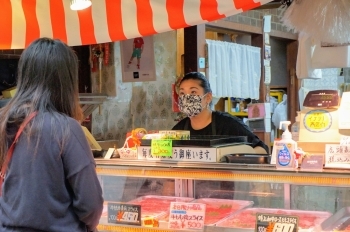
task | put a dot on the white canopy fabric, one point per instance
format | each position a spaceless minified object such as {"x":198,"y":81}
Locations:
{"x":22,"y":21}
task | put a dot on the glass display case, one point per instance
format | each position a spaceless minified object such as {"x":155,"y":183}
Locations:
{"x":259,"y":187}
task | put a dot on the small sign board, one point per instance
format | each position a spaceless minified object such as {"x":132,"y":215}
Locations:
{"x":312,"y":163}
{"x":276,"y":223}
{"x":124,"y":214}
{"x":337,"y":156}
{"x":162,"y":147}
{"x":186,"y":216}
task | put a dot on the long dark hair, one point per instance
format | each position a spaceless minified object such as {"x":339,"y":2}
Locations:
{"x":47,"y":82}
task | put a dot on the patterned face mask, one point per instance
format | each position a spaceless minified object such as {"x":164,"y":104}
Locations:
{"x":191,"y":105}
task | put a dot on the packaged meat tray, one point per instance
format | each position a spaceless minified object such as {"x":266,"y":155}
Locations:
{"x":217,"y":209}
{"x":245,"y":220}
{"x":340,"y":221}
{"x":156,"y":206}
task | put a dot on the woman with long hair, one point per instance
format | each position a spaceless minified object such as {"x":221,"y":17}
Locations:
{"x":49,"y":181}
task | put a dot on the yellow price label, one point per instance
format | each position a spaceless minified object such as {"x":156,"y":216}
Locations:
{"x":162,"y":147}
{"x":317,"y":120}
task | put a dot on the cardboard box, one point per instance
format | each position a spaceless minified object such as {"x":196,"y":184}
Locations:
{"x":259,"y":110}
{"x":259,"y":124}
{"x":9,"y":93}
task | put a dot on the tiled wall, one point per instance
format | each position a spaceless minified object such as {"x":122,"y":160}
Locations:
{"x":330,"y":80}
{"x":254,"y":18}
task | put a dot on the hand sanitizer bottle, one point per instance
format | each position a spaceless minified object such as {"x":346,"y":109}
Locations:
{"x":285,"y":156}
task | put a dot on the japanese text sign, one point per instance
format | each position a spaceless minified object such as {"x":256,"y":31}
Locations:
{"x":201,"y":154}
{"x":317,"y":120}
{"x":162,"y":147}
{"x":185,"y":216}
{"x":276,"y":223}
{"x":337,"y":156}
{"x":124,"y":214}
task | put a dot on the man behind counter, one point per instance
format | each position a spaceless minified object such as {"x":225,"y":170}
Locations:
{"x":195,"y":97}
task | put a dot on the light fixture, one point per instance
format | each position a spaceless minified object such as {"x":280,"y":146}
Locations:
{"x":79,"y":4}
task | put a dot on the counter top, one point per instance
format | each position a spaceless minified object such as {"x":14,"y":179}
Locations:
{"x":222,"y":171}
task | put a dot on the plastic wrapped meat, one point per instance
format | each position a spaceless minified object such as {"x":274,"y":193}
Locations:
{"x":246,"y":219}
{"x":156,"y":206}
{"x":217,"y":209}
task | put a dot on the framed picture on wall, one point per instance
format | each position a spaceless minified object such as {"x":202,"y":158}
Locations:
{"x":137,"y":56}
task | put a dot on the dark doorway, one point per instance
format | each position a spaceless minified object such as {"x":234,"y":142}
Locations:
{"x":83,"y":53}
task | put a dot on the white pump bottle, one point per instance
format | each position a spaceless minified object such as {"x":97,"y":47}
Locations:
{"x":285,"y":156}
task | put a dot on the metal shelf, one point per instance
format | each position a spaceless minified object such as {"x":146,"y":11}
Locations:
{"x":90,"y":101}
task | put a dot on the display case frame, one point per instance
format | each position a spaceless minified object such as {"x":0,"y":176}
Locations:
{"x":185,"y":173}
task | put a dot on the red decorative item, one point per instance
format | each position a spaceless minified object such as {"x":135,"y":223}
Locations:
{"x":106,"y":54}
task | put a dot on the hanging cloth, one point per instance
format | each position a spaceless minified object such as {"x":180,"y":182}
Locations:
{"x":234,"y":69}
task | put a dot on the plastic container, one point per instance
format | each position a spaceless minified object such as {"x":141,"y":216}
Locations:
{"x":245,"y":220}
{"x":285,"y":157}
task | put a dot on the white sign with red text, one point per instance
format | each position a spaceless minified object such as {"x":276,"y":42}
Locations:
{"x":186,"y":216}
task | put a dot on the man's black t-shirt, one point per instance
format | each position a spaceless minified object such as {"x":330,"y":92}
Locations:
{"x":225,"y":124}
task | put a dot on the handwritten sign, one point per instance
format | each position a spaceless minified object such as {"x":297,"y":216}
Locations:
{"x":192,"y":154}
{"x":337,"y":156}
{"x":162,"y":147}
{"x":317,"y":120}
{"x":185,"y":216}
{"x":276,"y":223}
{"x":345,"y":140}
{"x":124,"y":214}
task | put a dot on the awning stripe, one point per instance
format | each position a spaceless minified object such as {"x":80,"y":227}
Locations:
{"x":107,"y":20}
{"x":72,"y":24}
{"x":160,"y":12}
{"x":192,"y":13}
{"x":6,"y":28}
{"x":209,"y":10}
{"x":129,"y":20}
{"x":87,"y":30}
{"x":100,"y":22}
{"x":114,"y":18}
{"x":176,"y":17}
{"x":42,"y":15}
{"x":58,"y":20}
{"x":145,"y":17}
{"x":18,"y":25}
{"x":246,"y":4}
{"x":29,"y":10}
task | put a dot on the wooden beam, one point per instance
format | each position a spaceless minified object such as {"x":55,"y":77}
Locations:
{"x":228,"y":27}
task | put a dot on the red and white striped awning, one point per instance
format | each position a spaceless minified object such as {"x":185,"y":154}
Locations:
{"x":22,"y":21}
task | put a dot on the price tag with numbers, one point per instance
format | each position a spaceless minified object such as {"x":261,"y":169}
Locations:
{"x":276,"y":223}
{"x":186,"y":216}
{"x":124,"y":214}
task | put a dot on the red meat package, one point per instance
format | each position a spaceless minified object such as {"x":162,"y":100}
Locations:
{"x":246,"y":219}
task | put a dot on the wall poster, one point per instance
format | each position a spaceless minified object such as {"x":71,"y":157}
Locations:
{"x":137,"y":56}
